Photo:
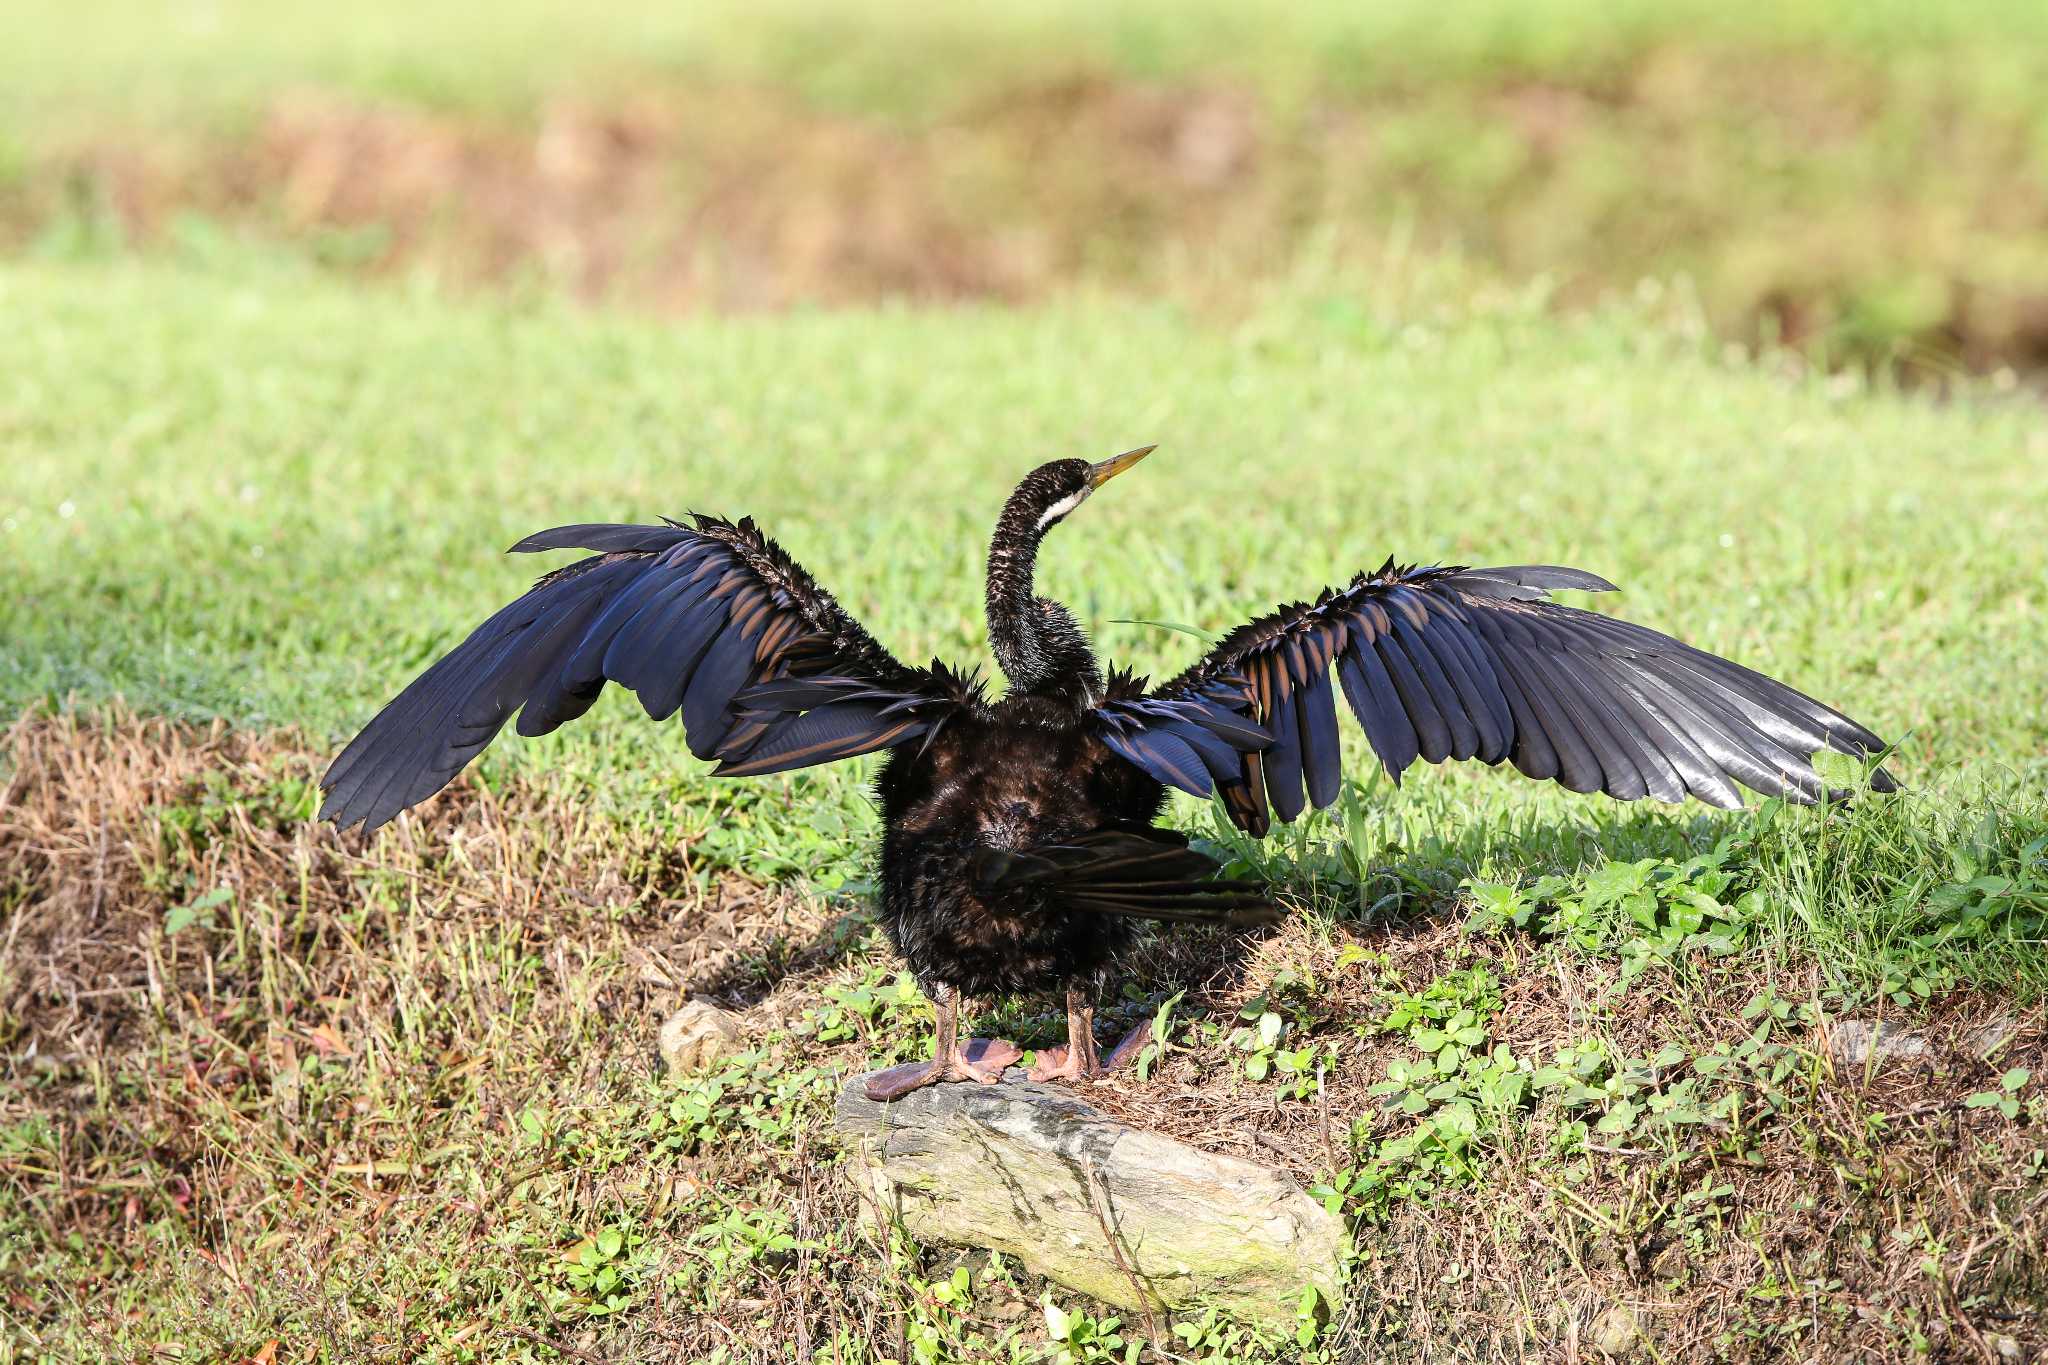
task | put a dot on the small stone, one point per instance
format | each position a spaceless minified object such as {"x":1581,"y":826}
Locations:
{"x":1605,"y":1253}
{"x":1991,"y":1035}
{"x":1855,"y":1041}
{"x":699,"y":1034}
{"x":1670,"y":1261}
{"x":2007,"y":1350}
{"x":1036,"y":1173}
{"x":1614,"y":1331}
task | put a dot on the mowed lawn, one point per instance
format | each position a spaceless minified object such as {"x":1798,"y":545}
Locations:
{"x":393,"y":1099}
{"x":270,"y":499}
{"x":275,"y":501}
{"x":1863,"y":180}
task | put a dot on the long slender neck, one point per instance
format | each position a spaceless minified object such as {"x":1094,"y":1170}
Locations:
{"x":1037,"y":641}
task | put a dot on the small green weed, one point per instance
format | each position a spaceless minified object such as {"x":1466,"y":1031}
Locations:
{"x":1650,"y":910}
{"x":2006,"y":1098}
{"x":603,"y":1273}
{"x":1075,"y":1338}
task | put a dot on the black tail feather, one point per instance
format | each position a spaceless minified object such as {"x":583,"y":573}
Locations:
{"x":1128,"y":871}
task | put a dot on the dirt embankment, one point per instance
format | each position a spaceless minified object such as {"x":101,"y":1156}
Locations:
{"x":1803,"y":201}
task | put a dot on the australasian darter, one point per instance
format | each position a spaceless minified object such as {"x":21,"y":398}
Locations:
{"x":1019,"y":852}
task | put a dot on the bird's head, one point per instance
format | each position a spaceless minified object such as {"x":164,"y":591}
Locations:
{"x":1051,"y":491}
{"x":1037,"y":640}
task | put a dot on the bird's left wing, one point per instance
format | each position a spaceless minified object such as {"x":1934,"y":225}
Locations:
{"x":1463,"y":663}
{"x":712,"y":619}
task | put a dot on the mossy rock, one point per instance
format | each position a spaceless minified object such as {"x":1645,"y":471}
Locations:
{"x":1036,"y":1173}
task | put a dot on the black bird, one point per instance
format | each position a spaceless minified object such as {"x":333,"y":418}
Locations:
{"x":1018,"y":849}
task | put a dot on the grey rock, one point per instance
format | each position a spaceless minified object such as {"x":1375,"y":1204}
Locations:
{"x":699,"y":1034}
{"x":1614,"y":1331}
{"x":1854,"y":1041}
{"x":1988,"y":1037}
{"x":1036,"y":1173}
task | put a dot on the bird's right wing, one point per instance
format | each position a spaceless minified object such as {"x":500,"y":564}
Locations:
{"x":1461,"y":663}
{"x":712,"y":619}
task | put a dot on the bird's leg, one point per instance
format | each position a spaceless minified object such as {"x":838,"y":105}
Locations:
{"x":978,"y":1059}
{"x":1077,"y":1060}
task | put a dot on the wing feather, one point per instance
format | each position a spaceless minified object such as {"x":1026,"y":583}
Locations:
{"x":1378,"y":708}
{"x":1316,"y":710}
{"x":1431,"y":732}
{"x":1450,"y":704}
{"x":711,"y":619}
{"x":1283,"y":760}
{"x":1441,"y":663}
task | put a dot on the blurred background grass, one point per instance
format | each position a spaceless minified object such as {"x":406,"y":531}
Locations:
{"x":1866,"y":181}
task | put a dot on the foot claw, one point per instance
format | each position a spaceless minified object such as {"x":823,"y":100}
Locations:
{"x":1126,"y":1052}
{"x":899,"y":1081}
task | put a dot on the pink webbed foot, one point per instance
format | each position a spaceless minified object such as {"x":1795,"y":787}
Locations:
{"x":1058,"y":1064}
{"x":984,"y":1060}
{"x":978,"y":1059}
{"x":1070,"y":1063}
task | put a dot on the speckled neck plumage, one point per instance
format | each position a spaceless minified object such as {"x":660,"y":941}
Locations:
{"x":1041,"y":647}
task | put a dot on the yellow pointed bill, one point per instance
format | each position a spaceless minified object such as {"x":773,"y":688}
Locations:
{"x":1102,"y":473}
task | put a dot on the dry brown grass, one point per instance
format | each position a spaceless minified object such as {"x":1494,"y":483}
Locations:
{"x":496,"y":952}
{"x":176,"y":1178}
{"x":1873,"y":1207}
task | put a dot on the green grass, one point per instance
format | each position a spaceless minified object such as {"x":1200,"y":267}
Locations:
{"x":276,"y":1094}
{"x":399,"y":1103}
{"x":270,"y":500}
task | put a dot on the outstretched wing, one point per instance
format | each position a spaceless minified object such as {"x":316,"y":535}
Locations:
{"x":1444,"y":663}
{"x":712,"y":619}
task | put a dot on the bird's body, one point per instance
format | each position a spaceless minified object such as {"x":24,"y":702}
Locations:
{"x":1019,"y":852}
{"x":1023,"y":773}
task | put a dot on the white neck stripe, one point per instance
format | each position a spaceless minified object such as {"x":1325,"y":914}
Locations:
{"x":1062,"y":507}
